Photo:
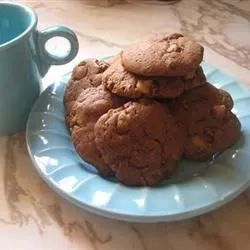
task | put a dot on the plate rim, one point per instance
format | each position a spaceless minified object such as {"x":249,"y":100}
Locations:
{"x":112,"y":213}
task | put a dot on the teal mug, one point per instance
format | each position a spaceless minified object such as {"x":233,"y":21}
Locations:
{"x":24,"y":60}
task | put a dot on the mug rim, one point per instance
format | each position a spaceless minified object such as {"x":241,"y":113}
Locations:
{"x":21,"y":36}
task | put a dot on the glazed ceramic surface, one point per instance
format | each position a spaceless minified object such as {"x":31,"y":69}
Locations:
{"x":196,"y":188}
{"x":23,"y":61}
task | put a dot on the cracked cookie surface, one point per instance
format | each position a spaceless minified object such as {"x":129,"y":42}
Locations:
{"x":141,"y":141}
{"x":163,"y":55}
{"x":211,"y":127}
{"x":123,"y":83}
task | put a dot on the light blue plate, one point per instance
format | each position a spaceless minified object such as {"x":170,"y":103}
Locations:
{"x":196,"y":188}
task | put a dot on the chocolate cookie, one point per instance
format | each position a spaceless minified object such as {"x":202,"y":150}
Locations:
{"x":163,"y":55}
{"x":211,"y":127}
{"x":141,"y":141}
{"x":85,"y":75}
{"x":123,"y":83}
{"x":86,"y":110}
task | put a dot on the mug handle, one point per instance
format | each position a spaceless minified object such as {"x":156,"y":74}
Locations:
{"x":46,"y":58}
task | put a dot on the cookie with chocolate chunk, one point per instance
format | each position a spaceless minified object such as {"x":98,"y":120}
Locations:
{"x":163,"y":55}
{"x":211,"y":127}
{"x":85,"y":75}
{"x":123,"y":83}
{"x":90,"y":105}
{"x":141,"y":141}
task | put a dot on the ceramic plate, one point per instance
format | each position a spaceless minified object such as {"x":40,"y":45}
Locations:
{"x":196,"y":187}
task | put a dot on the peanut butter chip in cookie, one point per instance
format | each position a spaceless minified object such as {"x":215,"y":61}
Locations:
{"x":144,"y":86}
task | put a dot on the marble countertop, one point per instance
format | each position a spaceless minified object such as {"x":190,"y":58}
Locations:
{"x":33,"y":217}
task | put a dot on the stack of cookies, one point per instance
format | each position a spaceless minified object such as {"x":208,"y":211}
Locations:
{"x":136,"y":117}
{"x":162,"y":67}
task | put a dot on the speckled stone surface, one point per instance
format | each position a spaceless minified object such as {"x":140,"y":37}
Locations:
{"x":33,"y":217}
